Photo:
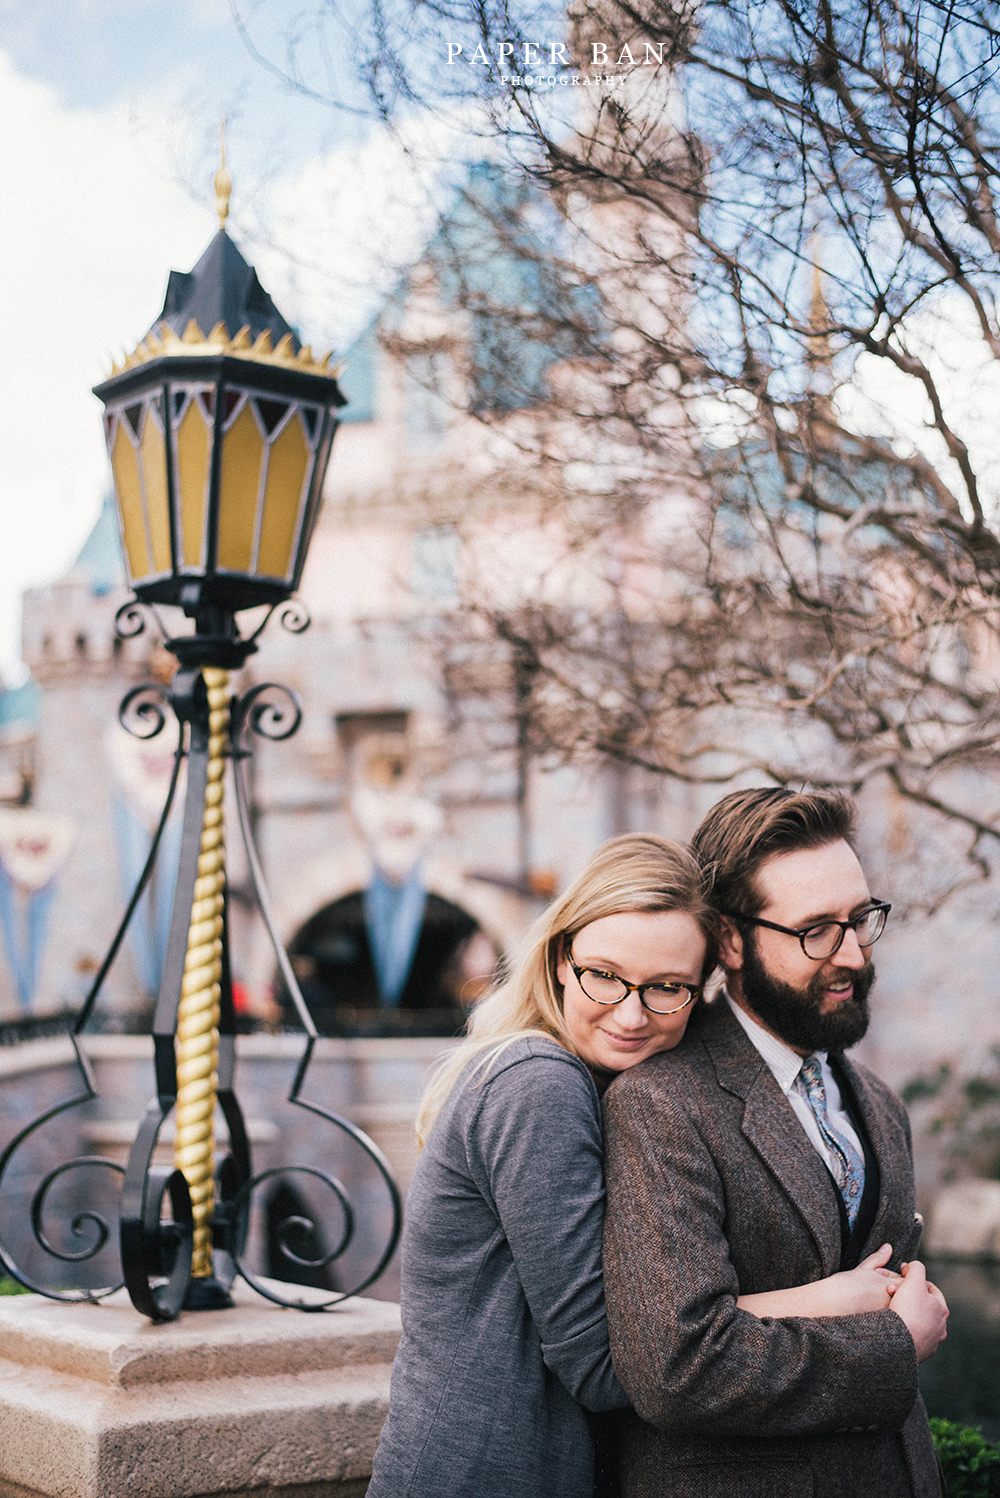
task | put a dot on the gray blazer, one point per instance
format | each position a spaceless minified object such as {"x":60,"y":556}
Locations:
{"x":714,"y":1190}
{"x":505,"y":1341}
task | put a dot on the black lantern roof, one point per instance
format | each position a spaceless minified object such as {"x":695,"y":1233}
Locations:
{"x":218,"y":428}
{"x":219,"y":310}
{"x":222,"y":288}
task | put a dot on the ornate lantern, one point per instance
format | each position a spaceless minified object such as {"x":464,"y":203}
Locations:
{"x":218,"y":444}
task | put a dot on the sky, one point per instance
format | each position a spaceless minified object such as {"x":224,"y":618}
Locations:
{"x":109,"y":118}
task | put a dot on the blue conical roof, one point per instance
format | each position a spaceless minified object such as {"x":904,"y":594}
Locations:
{"x":100,"y":557}
{"x":19,"y":705}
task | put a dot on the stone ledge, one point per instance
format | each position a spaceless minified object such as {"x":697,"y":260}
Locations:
{"x":300,"y":1490}
{"x":57,"y":1050}
{"x":97,"y":1403}
{"x":112,"y":1344}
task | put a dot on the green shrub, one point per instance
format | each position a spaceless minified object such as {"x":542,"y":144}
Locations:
{"x":971,"y":1463}
{"x":11,"y":1287}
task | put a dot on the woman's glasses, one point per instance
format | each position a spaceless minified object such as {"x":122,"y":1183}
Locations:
{"x":608,"y":988}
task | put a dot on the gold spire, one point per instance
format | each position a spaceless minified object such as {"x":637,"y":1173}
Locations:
{"x":223,"y":181}
{"x":820,"y":349}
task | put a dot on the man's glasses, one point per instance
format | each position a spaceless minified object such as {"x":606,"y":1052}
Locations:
{"x":608,"y":988}
{"x":827,"y":937}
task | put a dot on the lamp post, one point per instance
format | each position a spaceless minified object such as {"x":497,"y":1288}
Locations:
{"x":218,"y":442}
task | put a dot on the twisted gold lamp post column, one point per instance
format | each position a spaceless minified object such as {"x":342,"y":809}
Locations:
{"x":198,"y":1015}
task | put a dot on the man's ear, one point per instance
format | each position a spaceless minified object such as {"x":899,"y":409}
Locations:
{"x":730,"y":947}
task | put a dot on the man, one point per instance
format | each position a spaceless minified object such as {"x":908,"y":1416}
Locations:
{"x":755,"y":1157}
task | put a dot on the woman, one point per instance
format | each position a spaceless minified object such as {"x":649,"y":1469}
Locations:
{"x":505,"y":1345}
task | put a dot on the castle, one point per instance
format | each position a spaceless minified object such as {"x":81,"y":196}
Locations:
{"x":410,"y":746}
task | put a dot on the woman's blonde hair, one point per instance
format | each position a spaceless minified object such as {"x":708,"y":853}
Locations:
{"x":637,"y":872}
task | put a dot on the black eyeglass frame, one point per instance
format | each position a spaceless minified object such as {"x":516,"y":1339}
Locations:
{"x":803,"y":931}
{"x":640,"y":988}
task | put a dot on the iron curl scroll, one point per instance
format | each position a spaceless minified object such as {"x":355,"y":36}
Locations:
{"x":258,"y":711}
{"x":156,"y":1254}
{"x":293,"y":616}
{"x":298,"y":1227}
{"x":156,"y":1226}
{"x":141,"y":711}
{"x":81,"y":1221}
{"x":130,"y":620}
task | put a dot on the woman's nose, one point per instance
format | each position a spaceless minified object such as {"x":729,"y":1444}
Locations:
{"x":630,"y":1013}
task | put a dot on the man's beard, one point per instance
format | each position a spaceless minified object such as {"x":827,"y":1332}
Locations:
{"x":794,"y":1013}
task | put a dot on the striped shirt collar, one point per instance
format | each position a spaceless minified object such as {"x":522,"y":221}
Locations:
{"x":785,"y":1064}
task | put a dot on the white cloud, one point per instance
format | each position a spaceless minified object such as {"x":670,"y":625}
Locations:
{"x":348,"y":223}
{"x":95,"y":217}
{"x":885,"y":402}
{"x":97,"y":214}
{"x":93,"y":221}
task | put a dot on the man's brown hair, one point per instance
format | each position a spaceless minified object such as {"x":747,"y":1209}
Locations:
{"x":747,"y":827}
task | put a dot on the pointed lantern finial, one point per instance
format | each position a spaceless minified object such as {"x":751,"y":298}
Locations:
{"x":223,"y":181}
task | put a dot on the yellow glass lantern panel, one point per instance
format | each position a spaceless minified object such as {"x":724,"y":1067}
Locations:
{"x":242,"y":459}
{"x":128,"y":487}
{"x":194,"y":452}
{"x":287,"y":469}
{"x":154,"y":473}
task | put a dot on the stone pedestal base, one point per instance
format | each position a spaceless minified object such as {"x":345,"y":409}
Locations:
{"x":253,"y":1402}
{"x":308,"y":1490}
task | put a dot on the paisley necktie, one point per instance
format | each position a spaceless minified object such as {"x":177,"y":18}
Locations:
{"x":848,"y":1164}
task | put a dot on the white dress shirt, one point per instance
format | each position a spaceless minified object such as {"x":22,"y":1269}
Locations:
{"x":785,"y":1065}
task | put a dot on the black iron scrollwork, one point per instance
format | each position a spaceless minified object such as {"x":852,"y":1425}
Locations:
{"x":155,"y":1214}
{"x":141,"y":711}
{"x":7,"y":1259}
{"x":130,"y":620}
{"x":299,"y":1229}
{"x":156,"y":1252}
{"x":86,"y":1224}
{"x":83,"y":1223}
{"x":294,"y":616}
{"x":269,"y":710}
{"x":243,"y":717}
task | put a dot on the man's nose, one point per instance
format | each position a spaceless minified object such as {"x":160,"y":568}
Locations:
{"x":630,"y":1013}
{"x":851,"y":952}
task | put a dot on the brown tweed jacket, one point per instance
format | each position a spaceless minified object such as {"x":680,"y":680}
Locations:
{"x":714,"y":1190}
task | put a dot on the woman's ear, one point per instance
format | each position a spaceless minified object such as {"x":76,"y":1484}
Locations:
{"x":730,"y":947}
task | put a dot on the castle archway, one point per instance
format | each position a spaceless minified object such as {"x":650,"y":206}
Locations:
{"x":331,"y":954}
